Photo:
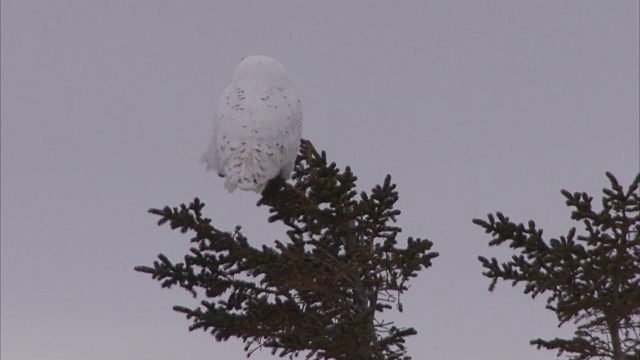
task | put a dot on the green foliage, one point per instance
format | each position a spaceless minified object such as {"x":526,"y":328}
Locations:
{"x":319,"y":291}
{"x":591,"y":279}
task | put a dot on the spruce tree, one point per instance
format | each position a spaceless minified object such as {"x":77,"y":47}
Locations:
{"x":321,"y":290}
{"x":591,"y":279}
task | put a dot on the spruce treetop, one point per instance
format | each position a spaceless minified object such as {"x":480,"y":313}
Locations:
{"x":591,"y":278}
{"x":321,"y":290}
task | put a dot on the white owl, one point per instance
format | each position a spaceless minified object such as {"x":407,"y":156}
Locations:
{"x":256,"y":134}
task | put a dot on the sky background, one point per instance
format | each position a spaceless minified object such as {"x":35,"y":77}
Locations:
{"x":472,"y":106}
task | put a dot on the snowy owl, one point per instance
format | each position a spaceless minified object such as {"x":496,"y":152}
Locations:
{"x":257,"y":129}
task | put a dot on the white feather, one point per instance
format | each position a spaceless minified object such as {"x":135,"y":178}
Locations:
{"x":257,"y":127}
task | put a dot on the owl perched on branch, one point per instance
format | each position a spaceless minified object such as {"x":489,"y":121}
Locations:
{"x":257,"y":129}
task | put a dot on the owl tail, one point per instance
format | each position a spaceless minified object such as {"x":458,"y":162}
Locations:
{"x":246,"y":178}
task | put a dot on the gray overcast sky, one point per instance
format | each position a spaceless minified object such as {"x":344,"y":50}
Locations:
{"x":472,"y":106}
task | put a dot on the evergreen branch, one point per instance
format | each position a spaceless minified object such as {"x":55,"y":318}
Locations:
{"x":319,"y":291}
{"x":592,"y":279}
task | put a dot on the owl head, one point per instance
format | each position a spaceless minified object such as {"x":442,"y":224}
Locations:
{"x":260,"y":69}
